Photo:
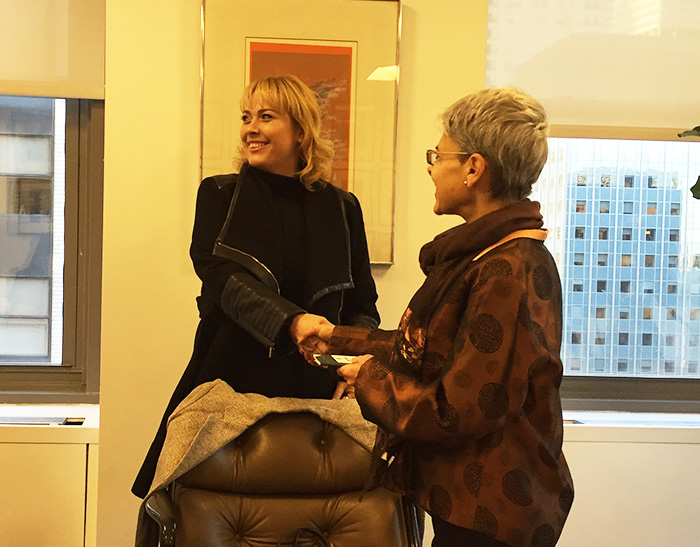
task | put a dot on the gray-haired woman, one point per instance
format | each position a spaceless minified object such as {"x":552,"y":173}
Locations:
{"x":466,"y":390}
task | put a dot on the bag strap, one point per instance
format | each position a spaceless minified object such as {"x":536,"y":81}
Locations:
{"x":539,"y":234}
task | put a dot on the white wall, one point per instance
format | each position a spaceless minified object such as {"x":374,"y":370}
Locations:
{"x":151,"y":176}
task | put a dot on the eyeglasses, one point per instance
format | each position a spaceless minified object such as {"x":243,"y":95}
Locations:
{"x":431,"y":156}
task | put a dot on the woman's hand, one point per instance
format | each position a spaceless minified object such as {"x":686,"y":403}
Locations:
{"x":311,"y":333}
{"x":349,"y":373}
{"x":344,"y":391}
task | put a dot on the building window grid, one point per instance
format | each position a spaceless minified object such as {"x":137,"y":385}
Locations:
{"x":627,"y":182}
{"x":21,"y":325}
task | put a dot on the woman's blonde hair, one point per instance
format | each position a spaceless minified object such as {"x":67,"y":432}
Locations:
{"x":509,"y":128}
{"x":289,"y":94}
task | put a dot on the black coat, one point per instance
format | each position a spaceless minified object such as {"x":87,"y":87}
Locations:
{"x":242,"y":336}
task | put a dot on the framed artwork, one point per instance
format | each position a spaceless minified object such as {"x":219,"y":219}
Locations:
{"x":329,"y":69}
{"x":352,"y":66}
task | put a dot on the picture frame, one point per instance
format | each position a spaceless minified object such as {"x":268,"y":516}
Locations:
{"x":363,"y":127}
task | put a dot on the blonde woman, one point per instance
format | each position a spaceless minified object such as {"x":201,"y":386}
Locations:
{"x":269,"y":243}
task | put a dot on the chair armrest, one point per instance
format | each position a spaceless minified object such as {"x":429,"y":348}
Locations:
{"x":160,"y":508}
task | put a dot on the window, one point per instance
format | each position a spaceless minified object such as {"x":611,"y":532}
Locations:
{"x":51,"y":183}
{"x":647,"y":325}
{"x":648,"y":188}
{"x":575,"y":337}
{"x":580,"y":206}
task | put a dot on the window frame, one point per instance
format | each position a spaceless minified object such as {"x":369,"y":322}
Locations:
{"x":626,"y":394}
{"x":77,"y":379}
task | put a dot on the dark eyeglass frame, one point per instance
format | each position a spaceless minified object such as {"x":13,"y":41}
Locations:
{"x":431,"y":156}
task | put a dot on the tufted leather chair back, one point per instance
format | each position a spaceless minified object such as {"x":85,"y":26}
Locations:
{"x":286,"y":472}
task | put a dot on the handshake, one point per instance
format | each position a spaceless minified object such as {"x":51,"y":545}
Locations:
{"x":312,"y":335}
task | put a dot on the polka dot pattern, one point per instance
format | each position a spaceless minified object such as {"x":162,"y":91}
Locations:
{"x":486,"y":333}
{"x":518,"y":488}
{"x":493,"y":401}
{"x":544,"y":536}
{"x":490,"y":441}
{"x":377,"y":371}
{"x":542,"y":282}
{"x":495,"y":267}
{"x":440,"y":502}
{"x":566,"y":499}
{"x":447,"y":416}
{"x":472,"y":478}
{"x":546,"y":457}
{"x":390,"y":413}
{"x":432,"y":367}
{"x":485,"y":521}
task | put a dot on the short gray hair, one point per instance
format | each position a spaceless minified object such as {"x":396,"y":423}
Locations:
{"x":509,"y":128}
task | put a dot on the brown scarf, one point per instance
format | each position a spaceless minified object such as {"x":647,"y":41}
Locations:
{"x":446,"y":257}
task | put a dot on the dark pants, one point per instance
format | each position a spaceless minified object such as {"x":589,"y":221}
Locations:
{"x":449,"y":535}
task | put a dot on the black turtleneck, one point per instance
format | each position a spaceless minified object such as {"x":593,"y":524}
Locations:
{"x":288,"y":196}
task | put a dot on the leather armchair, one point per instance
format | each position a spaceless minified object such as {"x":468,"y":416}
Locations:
{"x":288,"y":472}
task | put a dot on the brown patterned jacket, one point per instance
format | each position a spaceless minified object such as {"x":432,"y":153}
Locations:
{"x":467,"y":394}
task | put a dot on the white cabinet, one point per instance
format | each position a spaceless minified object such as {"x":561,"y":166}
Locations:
{"x":48,"y":483}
